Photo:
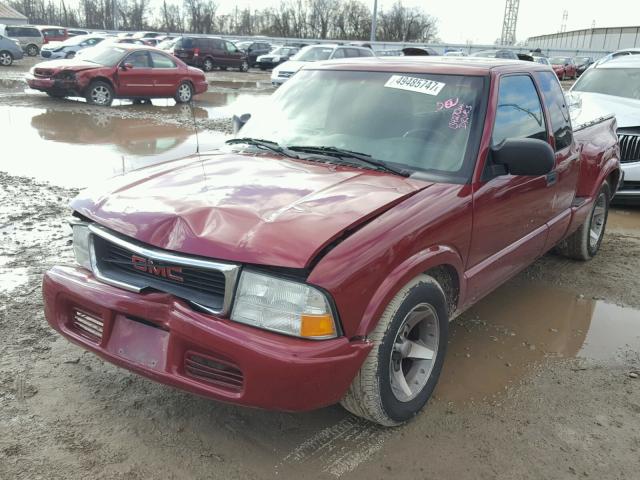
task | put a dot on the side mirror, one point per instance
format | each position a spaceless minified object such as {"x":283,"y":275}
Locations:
{"x":524,"y":156}
{"x":126,"y":66}
{"x":239,"y":121}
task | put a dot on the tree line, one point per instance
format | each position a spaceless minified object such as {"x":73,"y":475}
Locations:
{"x":322,"y":19}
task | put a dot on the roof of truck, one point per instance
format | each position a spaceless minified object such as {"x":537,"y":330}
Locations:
{"x":440,"y":64}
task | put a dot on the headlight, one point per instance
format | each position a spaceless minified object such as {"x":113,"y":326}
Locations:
{"x":81,"y":244}
{"x":283,"y":306}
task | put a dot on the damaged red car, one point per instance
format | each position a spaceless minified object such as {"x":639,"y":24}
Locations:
{"x":104,"y":73}
{"x":320,"y":255}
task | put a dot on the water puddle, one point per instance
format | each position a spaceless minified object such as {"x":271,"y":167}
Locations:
{"x":496,"y":343}
{"x":76,"y":149}
{"x":625,"y":220}
{"x":241,"y":84}
{"x":12,"y":278}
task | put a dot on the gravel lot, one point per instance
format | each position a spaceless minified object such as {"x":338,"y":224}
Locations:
{"x":538,"y":382}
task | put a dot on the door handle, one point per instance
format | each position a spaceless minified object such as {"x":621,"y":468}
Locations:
{"x":552,"y":178}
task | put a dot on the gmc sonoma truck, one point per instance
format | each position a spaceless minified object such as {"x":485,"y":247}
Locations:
{"x":319,"y":256}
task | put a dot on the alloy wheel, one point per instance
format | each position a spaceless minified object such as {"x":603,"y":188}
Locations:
{"x":414,"y":352}
{"x":5,"y":59}
{"x":100,"y":95}
{"x":598,"y":217}
{"x":208,"y":65}
{"x":184,"y":92}
{"x":32,"y":50}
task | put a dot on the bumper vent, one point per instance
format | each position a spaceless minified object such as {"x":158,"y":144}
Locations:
{"x":214,"y":371}
{"x":88,"y":325}
{"x":629,"y":147}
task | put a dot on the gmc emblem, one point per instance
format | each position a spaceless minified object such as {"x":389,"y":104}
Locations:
{"x":147,"y":266}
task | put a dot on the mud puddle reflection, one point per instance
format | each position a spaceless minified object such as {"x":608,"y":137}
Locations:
{"x":500,"y":340}
{"x":76,"y":149}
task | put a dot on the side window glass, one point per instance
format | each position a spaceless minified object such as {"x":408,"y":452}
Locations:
{"x":138,"y":60}
{"x":558,"y":110}
{"x":366,"y":53}
{"x":339,"y":53}
{"x":161,"y":61}
{"x":231,"y":47}
{"x":519,"y":113}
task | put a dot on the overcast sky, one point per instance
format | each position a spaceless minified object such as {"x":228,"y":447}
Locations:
{"x":481,"y":20}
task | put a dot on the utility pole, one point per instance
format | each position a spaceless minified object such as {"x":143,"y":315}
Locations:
{"x":374,"y":20}
{"x":509,"y":23}
{"x":114,"y":9}
{"x":563,"y":25}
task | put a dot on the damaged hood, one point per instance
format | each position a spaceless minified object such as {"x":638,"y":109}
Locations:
{"x":585,"y":106}
{"x":69,"y":64}
{"x":243,"y":208}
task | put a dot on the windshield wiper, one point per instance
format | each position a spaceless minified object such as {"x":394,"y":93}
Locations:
{"x":343,"y":153}
{"x":264,"y":144}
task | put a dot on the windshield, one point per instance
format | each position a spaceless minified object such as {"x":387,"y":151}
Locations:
{"x":419,"y":122}
{"x":619,"y":82}
{"x":313,"y":54}
{"x":558,"y":60}
{"x":542,"y":60}
{"x":107,"y":56}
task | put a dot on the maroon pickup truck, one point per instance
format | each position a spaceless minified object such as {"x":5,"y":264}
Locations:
{"x":320,"y":255}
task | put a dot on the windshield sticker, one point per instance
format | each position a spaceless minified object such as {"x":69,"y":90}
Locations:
{"x":447,"y":104}
{"x":460,"y":117}
{"x":415,"y":84}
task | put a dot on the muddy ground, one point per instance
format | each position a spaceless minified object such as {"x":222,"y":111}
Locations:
{"x":538,"y":381}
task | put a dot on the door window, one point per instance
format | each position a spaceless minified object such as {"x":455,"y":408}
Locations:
{"x":231,"y":48}
{"x":364,"y":52}
{"x":139,"y":60}
{"x":339,"y":53}
{"x":161,"y":61}
{"x":560,"y":119}
{"x":519,"y":113}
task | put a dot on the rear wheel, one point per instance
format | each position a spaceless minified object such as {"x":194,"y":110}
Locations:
{"x":32,"y":50}
{"x":100,"y":93}
{"x":585,"y":242}
{"x":207,"y":65}
{"x":404,"y":365}
{"x":244,"y":66}
{"x":6,"y":59}
{"x":184,"y":94}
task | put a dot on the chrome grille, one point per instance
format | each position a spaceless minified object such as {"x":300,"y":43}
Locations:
{"x":134,"y":266}
{"x":88,"y":325}
{"x":629,"y":147}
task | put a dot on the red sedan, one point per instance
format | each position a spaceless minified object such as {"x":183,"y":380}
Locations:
{"x":564,"y":67}
{"x":119,"y":71}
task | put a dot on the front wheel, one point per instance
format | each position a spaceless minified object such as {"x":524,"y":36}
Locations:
{"x":184,"y":94}
{"x":32,"y":50}
{"x":207,"y":65}
{"x":585,"y":242}
{"x":404,"y":365}
{"x":6,"y":59}
{"x":244,"y":66}
{"x":100,"y":93}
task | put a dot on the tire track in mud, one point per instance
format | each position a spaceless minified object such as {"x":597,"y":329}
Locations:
{"x":339,"y":448}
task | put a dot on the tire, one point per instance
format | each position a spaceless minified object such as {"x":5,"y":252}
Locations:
{"x":207,"y":65}
{"x":244,"y":66}
{"x":32,"y":50}
{"x":585,"y":242}
{"x":374,"y":394}
{"x":6,"y":59}
{"x":100,"y":93}
{"x":184,"y":94}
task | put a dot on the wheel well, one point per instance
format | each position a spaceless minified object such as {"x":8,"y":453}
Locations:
{"x":447,"y":277}
{"x":100,"y":79}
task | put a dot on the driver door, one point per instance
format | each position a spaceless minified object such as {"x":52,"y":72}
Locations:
{"x":510,"y":212}
{"x":136,"y":78}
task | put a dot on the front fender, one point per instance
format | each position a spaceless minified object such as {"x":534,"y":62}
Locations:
{"x":436,"y":256}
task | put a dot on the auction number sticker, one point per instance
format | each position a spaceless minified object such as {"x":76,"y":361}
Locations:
{"x":415,"y":84}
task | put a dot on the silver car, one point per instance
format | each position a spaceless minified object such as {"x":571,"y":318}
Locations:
{"x":30,"y":37}
{"x":69,"y":47}
{"x":614,"y":87}
{"x":10,"y":50}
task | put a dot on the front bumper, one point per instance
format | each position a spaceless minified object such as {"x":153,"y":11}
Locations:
{"x":201,"y":87}
{"x":156,"y":335}
{"x":47,"y":84}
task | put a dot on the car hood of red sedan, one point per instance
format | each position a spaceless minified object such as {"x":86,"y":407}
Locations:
{"x":69,"y":64}
{"x":244,"y":208}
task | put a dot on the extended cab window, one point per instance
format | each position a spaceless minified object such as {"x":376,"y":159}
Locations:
{"x":519,"y":112}
{"x":560,"y":120}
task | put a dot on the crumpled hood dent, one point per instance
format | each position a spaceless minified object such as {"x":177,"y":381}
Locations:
{"x":242,"y":208}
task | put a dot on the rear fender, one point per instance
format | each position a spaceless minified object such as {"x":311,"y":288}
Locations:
{"x":413,"y":266}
